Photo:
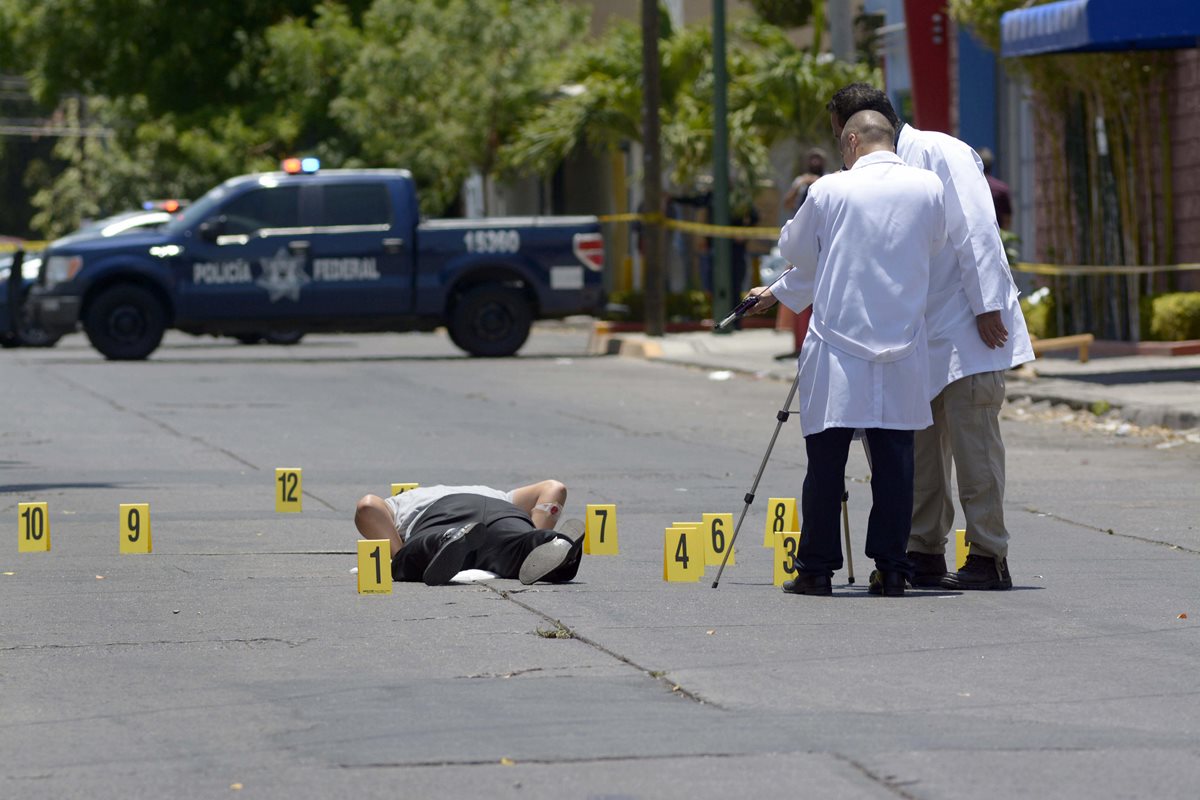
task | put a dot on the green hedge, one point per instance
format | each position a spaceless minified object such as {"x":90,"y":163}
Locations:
{"x":1175,"y":317}
{"x":1039,"y":314}
{"x":681,"y":306}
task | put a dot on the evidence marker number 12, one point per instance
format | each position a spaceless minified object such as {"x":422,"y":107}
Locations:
{"x":289,"y":490}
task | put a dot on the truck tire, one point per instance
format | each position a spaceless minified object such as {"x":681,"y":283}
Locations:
{"x":125,"y":322}
{"x":491,"y":321}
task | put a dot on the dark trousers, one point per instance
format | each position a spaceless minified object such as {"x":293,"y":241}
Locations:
{"x":511,"y":536}
{"x":820,"y":550}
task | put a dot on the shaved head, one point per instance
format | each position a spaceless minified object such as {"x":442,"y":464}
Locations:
{"x":871,"y":128}
{"x":866,"y":132}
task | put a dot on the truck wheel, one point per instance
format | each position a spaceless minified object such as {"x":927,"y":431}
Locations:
{"x":491,"y":321}
{"x":125,"y":323}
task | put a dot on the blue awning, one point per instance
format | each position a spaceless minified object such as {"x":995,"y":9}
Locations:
{"x":1077,"y":26}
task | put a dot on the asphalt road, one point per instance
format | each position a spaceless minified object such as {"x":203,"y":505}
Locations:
{"x":238,"y":659}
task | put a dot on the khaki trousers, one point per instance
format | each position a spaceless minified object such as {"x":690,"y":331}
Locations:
{"x":966,"y":429}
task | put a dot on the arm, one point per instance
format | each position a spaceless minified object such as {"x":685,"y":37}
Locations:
{"x":543,"y":502}
{"x":971,"y":227}
{"x":800,"y":244}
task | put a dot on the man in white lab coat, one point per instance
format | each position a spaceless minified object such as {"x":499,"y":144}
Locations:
{"x":861,"y":246}
{"x":976,"y":332}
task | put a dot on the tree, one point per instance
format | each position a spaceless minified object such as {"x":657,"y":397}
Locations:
{"x":179,"y":56}
{"x":777,"y":92}
{"x":461,"y":77}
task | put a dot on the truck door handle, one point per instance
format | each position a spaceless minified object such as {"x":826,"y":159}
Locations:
{"x":393,"y":245}
{"x":298,"y":246}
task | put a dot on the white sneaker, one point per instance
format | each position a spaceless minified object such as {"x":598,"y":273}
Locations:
{"x":544,"y":559}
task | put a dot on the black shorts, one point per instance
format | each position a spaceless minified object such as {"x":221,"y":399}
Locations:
{"x":511,"y":536}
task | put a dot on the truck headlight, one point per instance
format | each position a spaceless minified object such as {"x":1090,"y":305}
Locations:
{"x":62,"y":268}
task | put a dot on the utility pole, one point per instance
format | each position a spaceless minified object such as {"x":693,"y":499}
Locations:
{"x":841,"y":30}
{"x":723,"y":287}
{"x":652,"y":230}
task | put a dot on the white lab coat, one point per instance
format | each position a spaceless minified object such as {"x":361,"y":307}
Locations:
{"x":861,"y":246}
{"x":971,"y":275}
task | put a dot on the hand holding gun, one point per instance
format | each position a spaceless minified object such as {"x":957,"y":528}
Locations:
{"x":757,"y":301}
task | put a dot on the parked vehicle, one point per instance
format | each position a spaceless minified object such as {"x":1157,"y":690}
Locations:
{"x":305,"y":250}
{"x":17,"y":327}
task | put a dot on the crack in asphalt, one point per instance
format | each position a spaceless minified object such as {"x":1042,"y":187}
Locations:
{"x":1110,"y":531}
{"x":657,"y":675}
{"x":105,"y":645}
{"x":886,"y":781}
{"x":115,"y":404}
{"x":488,"y":762}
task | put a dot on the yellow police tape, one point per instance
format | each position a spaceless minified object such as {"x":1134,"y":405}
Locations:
{"x":1076,"y":270}
{"x":703,"y":229}
{"x":737,"y":232}
{"x":28,"y":247}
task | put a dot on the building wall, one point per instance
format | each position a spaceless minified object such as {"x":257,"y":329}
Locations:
{"x":1185,"y":153}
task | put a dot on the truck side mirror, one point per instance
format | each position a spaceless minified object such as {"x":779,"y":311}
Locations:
{"x":210,"y":229}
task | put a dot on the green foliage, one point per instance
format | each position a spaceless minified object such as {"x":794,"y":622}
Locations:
{"x":784,"y":13}
{"x":1040,"y":318}
{"x":461,"y":76}
{"x":180,"y":56}
{"x":689,"y":306}
{"x":1175,"y":317}
{"x":776,"y":92}
{"x":983,"y":16}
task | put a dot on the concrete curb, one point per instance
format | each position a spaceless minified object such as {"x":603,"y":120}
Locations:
{"x":1059,"y":391}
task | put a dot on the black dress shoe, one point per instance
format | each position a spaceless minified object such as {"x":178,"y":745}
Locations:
{"x":456,"y":545}
{"x":928,"y":568}
{"x":807,"y":583}
{"x":980,"y":572}
{"x":886,"y":583}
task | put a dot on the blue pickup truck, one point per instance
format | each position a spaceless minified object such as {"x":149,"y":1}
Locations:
{"x":308,"y":250}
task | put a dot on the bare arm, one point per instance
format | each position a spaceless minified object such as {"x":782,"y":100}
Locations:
{"x":542,"y":501}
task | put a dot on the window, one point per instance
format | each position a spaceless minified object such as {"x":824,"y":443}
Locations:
{"x":355,"y":204}
{"x":278,"y":207}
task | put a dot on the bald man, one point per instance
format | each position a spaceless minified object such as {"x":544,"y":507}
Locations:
{"x":861,"y":246}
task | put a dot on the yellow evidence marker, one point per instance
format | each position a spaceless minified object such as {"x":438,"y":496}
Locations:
{"x":600,"y":530}
{"x":781,"y":517}
{"x":288,"y":490}
{"x":697,"y":540}
{"x":135,"y":528}
{"x":786,"y":545}
{"x":682,"y":556}
{"x":374,"y":567}
{"x":718,"y":531}
{"x":961,"y":549}
{"x":401,"y":488}
{"x":33,"y":527}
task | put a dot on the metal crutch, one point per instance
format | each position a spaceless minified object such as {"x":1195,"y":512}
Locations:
{"x":782,"y":417}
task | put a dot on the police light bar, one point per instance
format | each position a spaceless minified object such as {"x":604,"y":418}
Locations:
{"x":308,"y":165}
{"x":170,"y":206}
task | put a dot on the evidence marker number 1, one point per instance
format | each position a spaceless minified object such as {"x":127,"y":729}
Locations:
{"x":374,"y":567}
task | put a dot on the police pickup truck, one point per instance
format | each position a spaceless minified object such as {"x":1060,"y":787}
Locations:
{"x":308,"y":250}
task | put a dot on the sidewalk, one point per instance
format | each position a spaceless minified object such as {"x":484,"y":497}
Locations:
{"x":1144,"y":390}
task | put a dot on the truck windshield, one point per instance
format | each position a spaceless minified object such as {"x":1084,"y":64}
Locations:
{"x":198,"y":211}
